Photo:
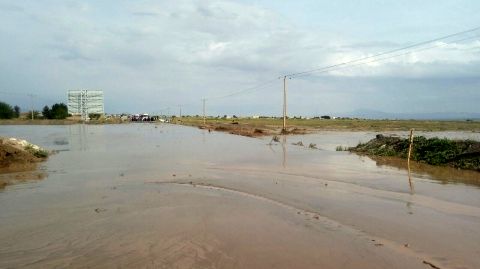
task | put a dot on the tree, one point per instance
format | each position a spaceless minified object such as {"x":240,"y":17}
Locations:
{"x":16,"y":111}
{"x":6,"y":111}
{"x":59,"y":111}
{"x":46,"y":112}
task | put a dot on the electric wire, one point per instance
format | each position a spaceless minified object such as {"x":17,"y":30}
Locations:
{"x":292,"y":75}
{"x":387,"y":58}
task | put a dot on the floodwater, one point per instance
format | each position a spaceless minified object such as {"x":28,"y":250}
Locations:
{"x":165,"y":196}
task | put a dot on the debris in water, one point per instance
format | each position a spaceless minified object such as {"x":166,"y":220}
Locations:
{"x":299,"y":143}
{"x":60,"y":141}
{"x":431,"y":264}
{"x":312,"y":146}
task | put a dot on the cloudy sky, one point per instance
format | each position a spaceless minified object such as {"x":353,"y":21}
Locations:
{"x":148,"y":56}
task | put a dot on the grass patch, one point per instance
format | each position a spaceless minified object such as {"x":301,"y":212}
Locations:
{"x":464,"y":154}
{"x":341,"y":148}
{"x":36,"y":151}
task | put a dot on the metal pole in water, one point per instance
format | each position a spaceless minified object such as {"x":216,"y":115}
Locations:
{"x":203,"y":111}
{"x":410,"y":146}
{"x":31,"y":103}
{"x":284,"y":104}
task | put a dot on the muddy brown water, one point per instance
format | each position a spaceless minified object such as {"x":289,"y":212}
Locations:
{"x":165,"y":196}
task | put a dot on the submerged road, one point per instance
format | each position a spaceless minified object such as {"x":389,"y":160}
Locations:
{"x":165,"y":196}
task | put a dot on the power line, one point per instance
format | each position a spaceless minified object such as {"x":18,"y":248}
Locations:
{"x":28,"y":95}
{"x":15,"y":93}
{"x":250,"y":89}
{"x":291,"y":75}
{"x":385,"y":58}
{"x":342,"y":65}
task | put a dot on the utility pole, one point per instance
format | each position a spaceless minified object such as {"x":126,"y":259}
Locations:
{"x":180,"y":111}
{"x":203,"y":111}
{"x":31,"y":103}
{"x":284,"y":104}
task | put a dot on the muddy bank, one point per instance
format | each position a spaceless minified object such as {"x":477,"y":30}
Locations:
{"x":237,"y":129}
{"x":18,"y":155}
{"x":462,"y":154}
{"x":251,"y":130}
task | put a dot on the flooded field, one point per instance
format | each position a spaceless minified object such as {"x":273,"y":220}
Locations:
{"x":166,"y":196}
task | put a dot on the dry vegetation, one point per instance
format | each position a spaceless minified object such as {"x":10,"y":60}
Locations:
{"x":270,"y":126}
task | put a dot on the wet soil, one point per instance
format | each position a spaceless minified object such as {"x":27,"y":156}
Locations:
{"x":12,"y":155}
{"x":15,"y":158}
{"x":252,"y":130}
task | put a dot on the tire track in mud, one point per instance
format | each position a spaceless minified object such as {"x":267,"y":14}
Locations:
{"x":327,"y":223}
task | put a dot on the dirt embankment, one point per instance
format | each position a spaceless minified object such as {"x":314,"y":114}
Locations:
{"x":18,"y":156}
{"x":463,"y":154}
{"x":250,"y":130}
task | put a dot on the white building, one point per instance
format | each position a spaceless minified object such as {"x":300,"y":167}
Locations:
{"x":84,"y":102}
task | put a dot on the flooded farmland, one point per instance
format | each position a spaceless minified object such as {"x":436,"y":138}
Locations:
{"x":166,"y":196}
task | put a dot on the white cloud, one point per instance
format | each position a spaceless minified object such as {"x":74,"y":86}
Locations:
{"x":193,"y":49}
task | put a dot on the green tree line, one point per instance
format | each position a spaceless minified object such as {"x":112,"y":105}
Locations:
{"x":57,"y":111}
{"x":9,"y":112}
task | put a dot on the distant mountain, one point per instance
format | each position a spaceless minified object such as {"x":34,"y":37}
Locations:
{"x":374,"y":114}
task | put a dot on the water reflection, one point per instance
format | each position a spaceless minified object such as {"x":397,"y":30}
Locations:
{"x":444,"y":175}
{"x":410,"y":182}
{"x":78,"y":136}
{"x":284,"y":150}
{"x":409,"y":207}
